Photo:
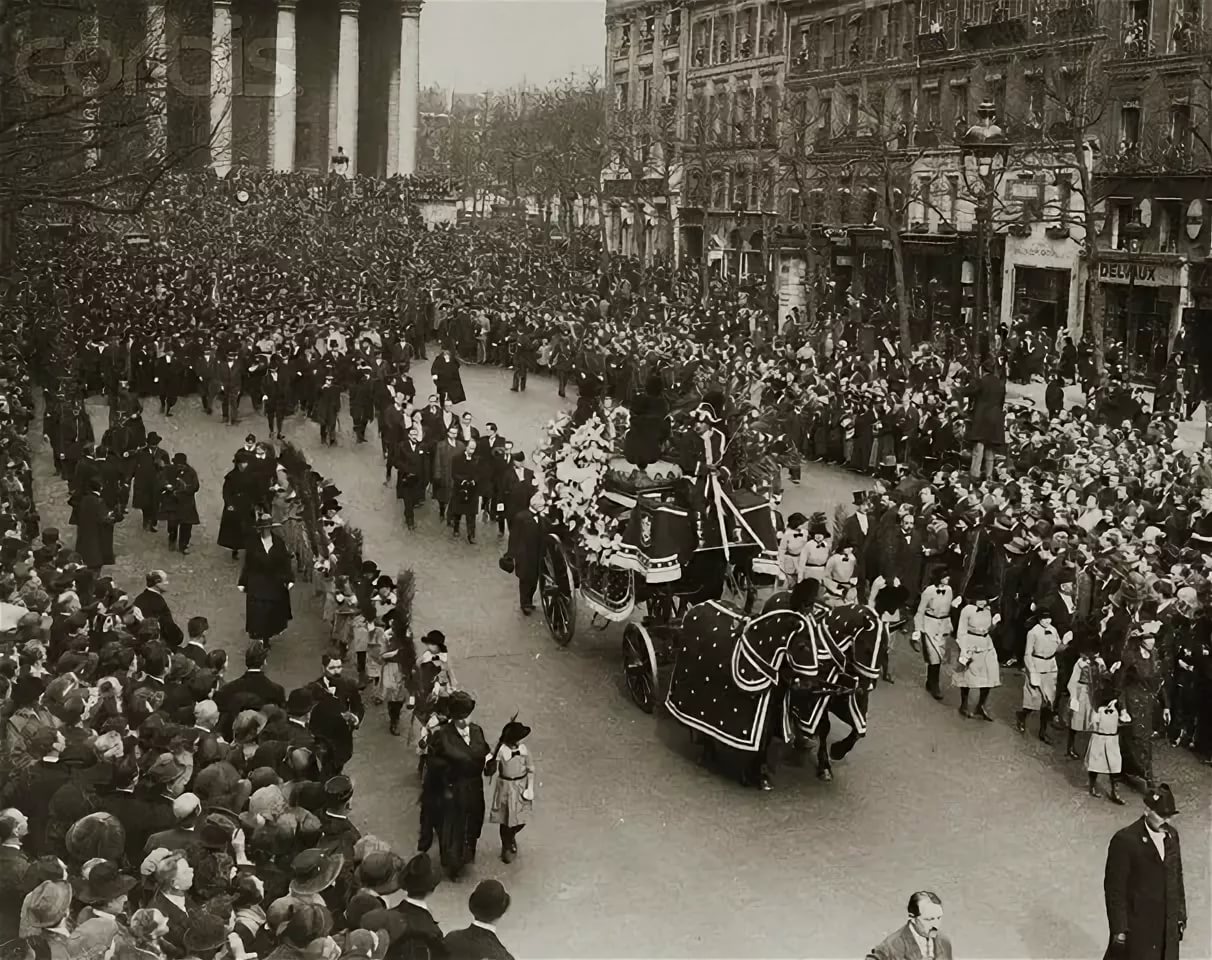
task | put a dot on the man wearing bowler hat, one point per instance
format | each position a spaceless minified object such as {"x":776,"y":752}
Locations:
{"x":1143,"y":885}
{"x":488,"y":903}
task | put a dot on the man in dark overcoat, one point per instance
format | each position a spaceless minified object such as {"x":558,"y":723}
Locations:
{"x":178,"y":503}
{"x":94,"y":527}
{"x":1143,"y":885}
{"x":446,"y":378}
{"x":902,"y":556}
{"x":328,"y":409}
{"x":206,"y":368}
{"x":464,"y":493}
{"x":526,"y":551}
{"x":75,"y":430}
{"x":150,"y":462}
{"x":231,"y":379}
{"x":987,"y":433}
{"x":170,"y":373}
{"x":337,"y":713}
{"x":250,"y":691}
{"x":276,"y":397}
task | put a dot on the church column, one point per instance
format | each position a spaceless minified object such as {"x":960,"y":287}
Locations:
{"x":157,"y":87}
{"x":410,"y":83}
{"x":282,"y":155}
{"x":220,"y":87}
{"x":393,"y":115}
{"x":347,"y":84}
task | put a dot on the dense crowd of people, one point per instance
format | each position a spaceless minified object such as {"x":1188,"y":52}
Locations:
{"x":1072,"y":544}
{"x":151,"y":806}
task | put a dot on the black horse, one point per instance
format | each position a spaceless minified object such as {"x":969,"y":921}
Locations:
{"x":833,"y":679}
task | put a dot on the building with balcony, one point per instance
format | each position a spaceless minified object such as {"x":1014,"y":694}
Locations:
{"x":904,"y":80}
{"x":1155,"y":179}
{"x":642,"y":180}
{"x":734,"y":85}
{"x":704,"y":77}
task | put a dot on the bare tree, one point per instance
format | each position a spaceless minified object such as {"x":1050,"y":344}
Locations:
{"x":643,"y":143}
{"x":707,"y":165}
{"x":1063,"y":145}
{"x":83,"y":113}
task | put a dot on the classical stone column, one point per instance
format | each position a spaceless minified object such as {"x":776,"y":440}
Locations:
{"x":282,"y":155}
{"x":347,"y":84}
{"x":220,"y":87}
{"x":157,"y":86}
{"x":410,"y":83}
{"x":393,"y":115}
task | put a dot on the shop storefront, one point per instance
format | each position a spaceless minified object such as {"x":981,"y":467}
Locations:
{"x":932,"y":272}
{"x":1143,"y":299}
{"x":1041,"y":286}
{"x":1197,"y":321}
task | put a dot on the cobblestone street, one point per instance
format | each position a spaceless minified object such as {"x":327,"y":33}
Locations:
{"x":635,"y":850}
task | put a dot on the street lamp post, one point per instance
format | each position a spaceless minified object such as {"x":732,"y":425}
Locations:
{"x":986,"y":145}
{"x":1133,"y":232}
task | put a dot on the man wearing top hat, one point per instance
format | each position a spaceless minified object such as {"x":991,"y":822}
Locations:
{"x":1143,"y":885}
{"x":328,"y":408}
{"x":231,"y":378}
{"x":149,"y":463}
{"x":275,"y":395}
{"x":361,"y":399}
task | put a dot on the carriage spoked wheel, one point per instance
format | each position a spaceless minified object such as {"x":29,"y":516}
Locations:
{"x":640,"y":666}
{"x":557,"y":591}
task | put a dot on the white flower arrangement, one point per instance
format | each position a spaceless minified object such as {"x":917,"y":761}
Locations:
{"x":575,"y":461}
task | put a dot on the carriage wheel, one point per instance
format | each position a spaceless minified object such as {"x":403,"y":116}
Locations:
{"x":557,"y":591}
{"x":640,"y":667}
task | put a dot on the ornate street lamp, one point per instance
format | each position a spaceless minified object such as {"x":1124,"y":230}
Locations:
{"x":985,"y":142}
{"x":1133,"y":232}
{"x":986,"y":145}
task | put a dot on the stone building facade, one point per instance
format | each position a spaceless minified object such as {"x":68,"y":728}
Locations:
{"x":274,"y":84}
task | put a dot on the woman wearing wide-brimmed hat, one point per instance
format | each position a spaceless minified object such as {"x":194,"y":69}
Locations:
{"x":455,"y":759}
{"x":512,"y":768}
{"x":104,"y":889}
{"x":1141,"y":684}
{"x":265,"y":580}
{"x":239,"y":507}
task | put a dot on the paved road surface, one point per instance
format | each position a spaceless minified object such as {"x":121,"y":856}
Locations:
{"x":636,"y":851}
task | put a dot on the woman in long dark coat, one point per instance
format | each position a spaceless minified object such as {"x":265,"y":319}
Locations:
{"x":457,"y":767}
{"x":266,"y":581}
{"x":445,"y":372}
{"x":94,"y":528}
{"x":1141,"y":679}
{"x":239,"y":506}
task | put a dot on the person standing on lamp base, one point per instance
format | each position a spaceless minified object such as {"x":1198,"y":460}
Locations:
{"x":920,"y":938}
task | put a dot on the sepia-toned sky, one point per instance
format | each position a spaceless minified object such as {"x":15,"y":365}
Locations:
{"x":477,"y":45}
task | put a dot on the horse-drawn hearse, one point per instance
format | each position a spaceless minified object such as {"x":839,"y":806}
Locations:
{"x":677,"y":537}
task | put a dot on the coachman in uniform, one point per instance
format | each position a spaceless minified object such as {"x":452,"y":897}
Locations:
{"x":1143,"y":885}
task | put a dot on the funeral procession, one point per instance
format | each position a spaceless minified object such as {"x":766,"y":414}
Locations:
{"x":605,"y":479}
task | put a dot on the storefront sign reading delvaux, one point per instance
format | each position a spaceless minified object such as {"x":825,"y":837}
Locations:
{"x":1136,"y":272}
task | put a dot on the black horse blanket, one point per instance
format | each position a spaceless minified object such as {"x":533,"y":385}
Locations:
{"x":727,"y":672}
